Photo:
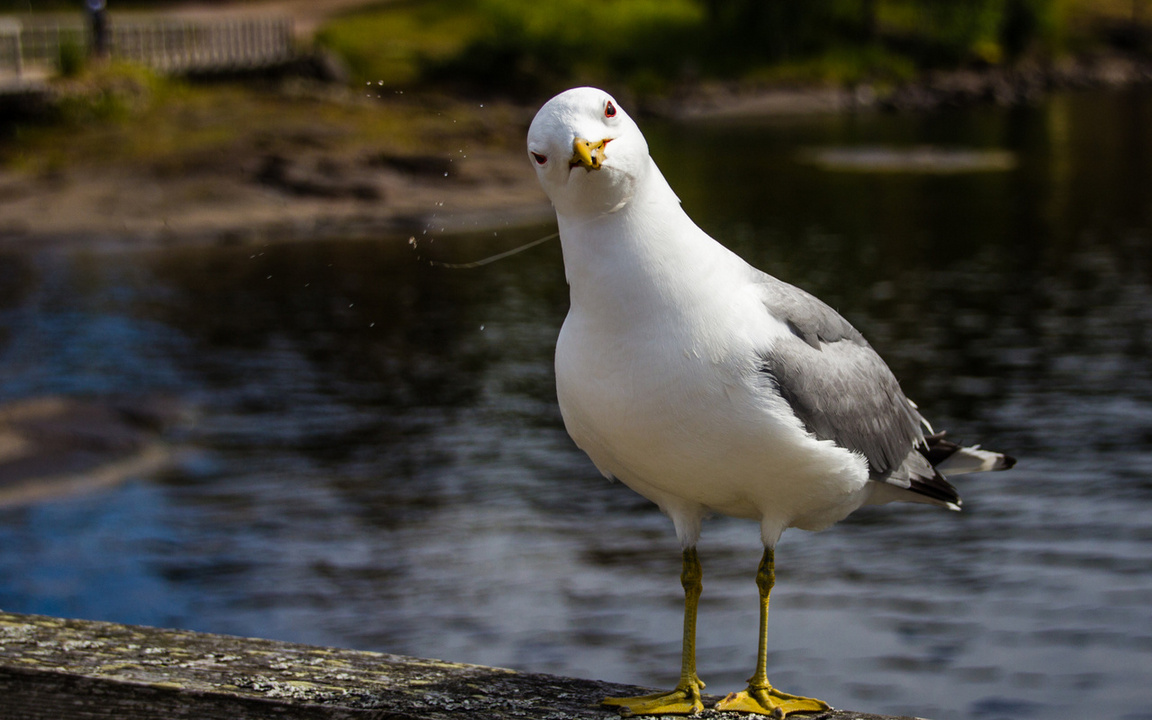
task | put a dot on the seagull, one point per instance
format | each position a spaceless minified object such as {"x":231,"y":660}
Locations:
{"x":708,"y":386}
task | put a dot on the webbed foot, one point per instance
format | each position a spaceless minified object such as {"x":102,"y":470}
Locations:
{"x":767,"y":700}
{"x":683,"y":700}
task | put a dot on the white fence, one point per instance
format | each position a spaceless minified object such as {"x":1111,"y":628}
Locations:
{"x":167,"y":44}
{"x":11,"y":54}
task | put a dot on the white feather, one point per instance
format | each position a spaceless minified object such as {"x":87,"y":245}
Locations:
{"x":655,"y":361}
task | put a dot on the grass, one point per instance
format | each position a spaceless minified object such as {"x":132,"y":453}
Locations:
{"x":120,"y":116}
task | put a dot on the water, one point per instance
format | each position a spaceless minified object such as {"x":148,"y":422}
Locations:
{"x":375,"y":458}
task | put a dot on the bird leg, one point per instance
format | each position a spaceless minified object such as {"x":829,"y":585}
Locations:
{"x":761,"y":697}
{"x":685,"y":698}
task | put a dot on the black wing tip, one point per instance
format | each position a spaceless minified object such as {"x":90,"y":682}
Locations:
{"x":938,"y":489}
{"x":936,"y":449}
{"x":1007,"y":462}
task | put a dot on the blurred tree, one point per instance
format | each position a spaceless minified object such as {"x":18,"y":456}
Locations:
{"x":778,"y":29}
{"x":1019,"y":27}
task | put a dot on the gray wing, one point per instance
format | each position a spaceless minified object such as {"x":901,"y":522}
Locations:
{"x":843,"y":391}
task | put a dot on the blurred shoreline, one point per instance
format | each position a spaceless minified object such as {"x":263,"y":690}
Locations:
{"x":305,"y":189}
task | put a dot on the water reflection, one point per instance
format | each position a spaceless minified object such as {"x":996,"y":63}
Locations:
{"x":376,"y":460}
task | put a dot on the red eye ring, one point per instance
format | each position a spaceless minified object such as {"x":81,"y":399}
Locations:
{"x":609,"y":110}
{"x":540,"y":159}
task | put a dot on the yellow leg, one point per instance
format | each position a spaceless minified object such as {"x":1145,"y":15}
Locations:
{"x":761,"y":697}
{"x":685,"y":698}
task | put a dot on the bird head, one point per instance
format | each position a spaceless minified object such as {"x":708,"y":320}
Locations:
{"x":588,"y":153}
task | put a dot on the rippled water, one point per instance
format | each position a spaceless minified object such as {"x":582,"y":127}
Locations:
{"x":376,"y":459}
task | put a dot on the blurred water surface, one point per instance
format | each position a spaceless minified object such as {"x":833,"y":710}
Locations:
{"x":376,"y":459}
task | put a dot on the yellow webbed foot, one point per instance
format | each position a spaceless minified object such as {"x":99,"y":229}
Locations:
{"x":683,"y":700}
{"x":767,"y":700}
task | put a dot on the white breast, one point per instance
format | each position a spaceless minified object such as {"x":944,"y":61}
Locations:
{"x":672,"y":404}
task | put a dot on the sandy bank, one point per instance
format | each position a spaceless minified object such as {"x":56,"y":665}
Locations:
{"x":258,"y":195}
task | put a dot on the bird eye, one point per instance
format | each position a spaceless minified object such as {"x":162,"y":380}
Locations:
{"x":609,"y":110}
{"x":540,"y":159}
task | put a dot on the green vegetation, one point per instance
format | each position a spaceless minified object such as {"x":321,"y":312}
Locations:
{"x":390,"y":43}
{"x":73,"y":57}
{"x":523,"y":46}
{"x":115,"y":91}
{"x":514,"y":44}
{"x":526,"y":45}
{"x":119,"y":116}
{"x":114,"y":114}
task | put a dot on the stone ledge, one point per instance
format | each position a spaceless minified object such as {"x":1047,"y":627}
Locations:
{"x":83,"y":670}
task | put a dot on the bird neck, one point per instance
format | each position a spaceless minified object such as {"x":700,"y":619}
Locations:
{"x":645,"y":255}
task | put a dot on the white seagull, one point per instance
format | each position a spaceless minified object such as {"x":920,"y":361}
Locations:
{"x":708,"y":386}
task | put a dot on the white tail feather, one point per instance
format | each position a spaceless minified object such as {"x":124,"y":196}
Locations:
{"x":973,"y":459}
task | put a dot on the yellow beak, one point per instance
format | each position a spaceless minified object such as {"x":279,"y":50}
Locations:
{"x":588,"y":154}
